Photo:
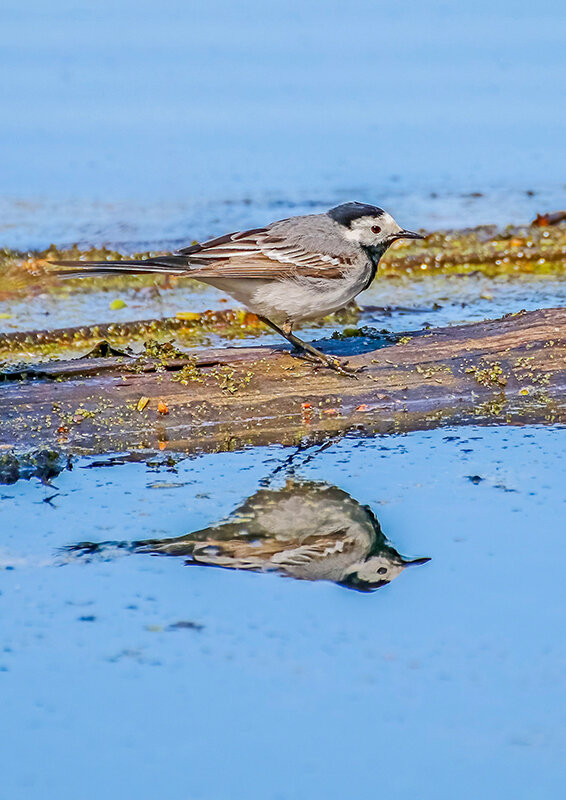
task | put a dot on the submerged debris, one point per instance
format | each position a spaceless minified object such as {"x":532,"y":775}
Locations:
{"x":552,"y":218}
{"x":42,"y":464}
{"x":155,"y":336}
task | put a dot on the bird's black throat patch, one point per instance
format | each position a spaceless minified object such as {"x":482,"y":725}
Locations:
{"x":374,"y":254}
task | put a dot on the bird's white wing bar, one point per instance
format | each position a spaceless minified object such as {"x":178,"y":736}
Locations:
{"x":231,"y":244}
{"x":294,"y":255}
{"x":311,"y":553}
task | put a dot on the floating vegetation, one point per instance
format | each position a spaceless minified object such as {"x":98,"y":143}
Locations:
{"x":533,"y":249}
{"x":153,"y":336}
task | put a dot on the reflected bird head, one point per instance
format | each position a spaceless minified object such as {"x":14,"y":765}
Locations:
{"x":378,"y":571}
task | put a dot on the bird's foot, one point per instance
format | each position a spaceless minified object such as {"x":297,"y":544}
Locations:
{"x":324,"y":360}
{"x":343,"y":368}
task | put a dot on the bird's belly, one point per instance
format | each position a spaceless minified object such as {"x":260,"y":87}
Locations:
{"x":241,"y":289}
{"x":293,"y":300}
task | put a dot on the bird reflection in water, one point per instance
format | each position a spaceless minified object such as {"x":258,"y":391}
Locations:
{"x":305,"y":530}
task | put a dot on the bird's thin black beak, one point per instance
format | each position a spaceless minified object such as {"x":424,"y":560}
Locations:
{"x":408,"y":235}
{"x":415,"y":561}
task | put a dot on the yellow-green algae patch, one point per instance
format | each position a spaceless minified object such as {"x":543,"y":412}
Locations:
{"x":531,"y":250}
{"x":187,"y":330}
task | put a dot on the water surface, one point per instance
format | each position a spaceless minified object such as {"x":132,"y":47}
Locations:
{"x":152,"y":677}
{"x":139,"y":123}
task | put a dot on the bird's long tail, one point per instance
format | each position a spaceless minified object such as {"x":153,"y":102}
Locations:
{"x":172,"y":265}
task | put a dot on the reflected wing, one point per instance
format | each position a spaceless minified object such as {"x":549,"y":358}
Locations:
{"x":265,"y":555}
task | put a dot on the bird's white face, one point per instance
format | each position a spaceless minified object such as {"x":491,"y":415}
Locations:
{"x":379,"y":569}
{"x":378,"y":231}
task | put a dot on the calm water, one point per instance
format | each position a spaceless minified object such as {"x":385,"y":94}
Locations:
{"x":449,"y":680}
{"x":388,"y":304}
{"x":140,"y":123}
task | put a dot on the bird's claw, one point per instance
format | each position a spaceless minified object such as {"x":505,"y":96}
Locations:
{"x":343,"y":368}
{"x":332,"y":363}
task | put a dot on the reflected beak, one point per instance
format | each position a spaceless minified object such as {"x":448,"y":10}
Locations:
{"x":417,"y":561}
{"x":408,"y":235}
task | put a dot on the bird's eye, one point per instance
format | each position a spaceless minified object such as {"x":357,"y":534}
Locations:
{"x":375,"y":229}
{"x":381,"y":570}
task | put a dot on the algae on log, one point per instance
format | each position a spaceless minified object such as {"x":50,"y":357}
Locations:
{"x":511,"y":370}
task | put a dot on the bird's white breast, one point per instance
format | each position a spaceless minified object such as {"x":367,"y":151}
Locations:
{"x":301,"y":299}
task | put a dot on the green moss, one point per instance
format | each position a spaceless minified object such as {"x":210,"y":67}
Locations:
{"x":490,"y":375}
{"x":190,"y":373}
{"x":513,"y":251}
{"x":433,"y":370}
{"x":229,"y":380}
{"x":492,"y":408}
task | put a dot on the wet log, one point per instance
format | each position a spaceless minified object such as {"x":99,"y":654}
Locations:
{"x":507,"y":370}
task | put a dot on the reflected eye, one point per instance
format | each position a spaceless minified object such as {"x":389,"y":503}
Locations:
{"x":381,"y":570}
{"x":375,"y":229}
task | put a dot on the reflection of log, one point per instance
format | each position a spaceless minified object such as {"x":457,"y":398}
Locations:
{"x":512,"y":369}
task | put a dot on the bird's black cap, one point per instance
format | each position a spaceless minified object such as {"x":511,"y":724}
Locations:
{"x":348,"y":212}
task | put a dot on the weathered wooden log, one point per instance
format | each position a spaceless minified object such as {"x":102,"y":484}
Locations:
{"x":512,"y":369}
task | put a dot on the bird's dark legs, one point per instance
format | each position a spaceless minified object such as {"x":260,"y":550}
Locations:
{"x":307,"y":350}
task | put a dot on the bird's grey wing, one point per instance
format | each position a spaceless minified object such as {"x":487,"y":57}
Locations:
{"x":298,"y":247}
{"x":287,"y":249}
{"x":266,"y":556}
{"x":317,"y":550}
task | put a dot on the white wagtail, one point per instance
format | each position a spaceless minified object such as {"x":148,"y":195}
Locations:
{"x":306,"y":530}
{"x":296,"y":269}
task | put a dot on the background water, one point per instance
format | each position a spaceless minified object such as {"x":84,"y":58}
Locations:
{"x":448,"y":682}
{"x":137,"y":122}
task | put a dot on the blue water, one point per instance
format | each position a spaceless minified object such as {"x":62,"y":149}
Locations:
{"x":449,"y":682}
{"x":136,"y":122}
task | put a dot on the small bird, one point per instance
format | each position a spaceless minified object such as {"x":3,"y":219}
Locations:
{"x":308,"y":530}
{"x":290,"y":271}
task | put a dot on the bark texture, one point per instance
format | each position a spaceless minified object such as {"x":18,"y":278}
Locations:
{"x":511,"y":369}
